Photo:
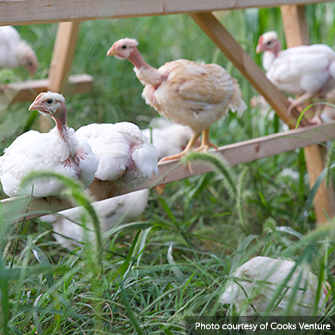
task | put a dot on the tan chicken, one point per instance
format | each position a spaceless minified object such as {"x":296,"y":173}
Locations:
{"x":186,"y":92}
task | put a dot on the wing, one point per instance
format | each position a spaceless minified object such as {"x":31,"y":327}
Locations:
{"x":209,"y":83}
{"x":293,"y":63}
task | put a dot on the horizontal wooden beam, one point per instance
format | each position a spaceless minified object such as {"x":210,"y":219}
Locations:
{"x":20,"y":12}
{"x":234,"y":154}
{"x":27,"y":90}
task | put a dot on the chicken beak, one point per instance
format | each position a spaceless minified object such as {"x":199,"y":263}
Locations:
{"x":258,"y":48}
{"x":112,"y":52}
{"x":34,"y":106}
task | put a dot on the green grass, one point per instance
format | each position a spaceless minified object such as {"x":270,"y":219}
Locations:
{"x":176,"y":260}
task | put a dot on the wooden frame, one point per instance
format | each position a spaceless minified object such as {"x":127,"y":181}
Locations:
{"x":58,"y":80}
{"x":296,"y":33}
{"x":18,"y":12}
{"x":233,"y":154}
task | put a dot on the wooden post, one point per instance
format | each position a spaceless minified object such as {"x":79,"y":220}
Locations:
{"x":62,"y":58}
{"x":63,"y":54}
{"x":296,"y":33}
{"x":295,"y":25}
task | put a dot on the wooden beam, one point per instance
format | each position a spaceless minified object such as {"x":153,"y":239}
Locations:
{"x":62,"y":58}
{"x":20,"y":12}
{"x":296,"y":33}
{"x":234,"y":154}
{"x":63,"y":55}
{"x":244,"y":63}
{"x":295,"y":25}
{"x":27,"y":90}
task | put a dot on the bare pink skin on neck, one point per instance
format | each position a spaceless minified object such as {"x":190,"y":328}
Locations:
{"x":61,"y":122}
{"x":137,"y":60}
{"x":277,"y":48}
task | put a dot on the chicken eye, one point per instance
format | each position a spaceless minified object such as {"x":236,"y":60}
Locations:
{"x":124,"y":47}
{"x":49,"y":101}
{"x":269,"y":43}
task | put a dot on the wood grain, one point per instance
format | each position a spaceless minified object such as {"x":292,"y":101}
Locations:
{"x":234,"y":154}
{"x":63,"y":55}
{"x":27,"y":90}
{"x":46,"y":11}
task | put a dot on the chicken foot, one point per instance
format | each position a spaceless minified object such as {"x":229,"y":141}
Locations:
{"x":186,"y":151}
{"x":205,"y":142}
{"x":298,"y":101}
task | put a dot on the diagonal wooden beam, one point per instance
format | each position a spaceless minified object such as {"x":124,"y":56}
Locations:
{"x":246,"y":65}
{"x":296,"y":33}
{"x":234,"y":154}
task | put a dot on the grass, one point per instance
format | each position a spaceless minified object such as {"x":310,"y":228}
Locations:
{"x":174,"y":262}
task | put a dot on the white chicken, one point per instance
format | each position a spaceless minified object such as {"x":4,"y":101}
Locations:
{"x":122,"y":209}
{"x":15,"y":52}
{"x":186,"y":92}
{"x":305,"y":70}
{"x":168,"y":138}
{"x":125,"y":155}
{"x":59,"y":151}
{"x":257,"y":281}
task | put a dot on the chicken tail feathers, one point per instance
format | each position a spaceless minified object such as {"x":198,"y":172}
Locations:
{"x":236,"y":102}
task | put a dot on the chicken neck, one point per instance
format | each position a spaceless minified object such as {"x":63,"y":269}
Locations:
{"x":60,"y":118}
{"x":145,"y":72}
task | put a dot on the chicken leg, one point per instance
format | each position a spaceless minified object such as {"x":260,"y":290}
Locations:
{"x":205,"y":142}
{"x":187,"y":150}
{"x":298,"y":101}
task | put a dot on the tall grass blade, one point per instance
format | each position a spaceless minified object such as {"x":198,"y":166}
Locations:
{"x":174,"y":267}
{"x":239,"y":200}
{"x":35,"y":316}
{"x":42,"y":259}
{"x":130,"y":313}
{"x":218,"y":163}
{"x":73,"y":189}
{"x":14,"y":330}
{"x":125,"y":265}
{"x":330,"y":159}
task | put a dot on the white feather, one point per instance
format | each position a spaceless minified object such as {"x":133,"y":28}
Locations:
{"x":122,"y":209}
{"x":122,"y":150}
{"x":263,"y":276}
{"x":34,"y":151}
